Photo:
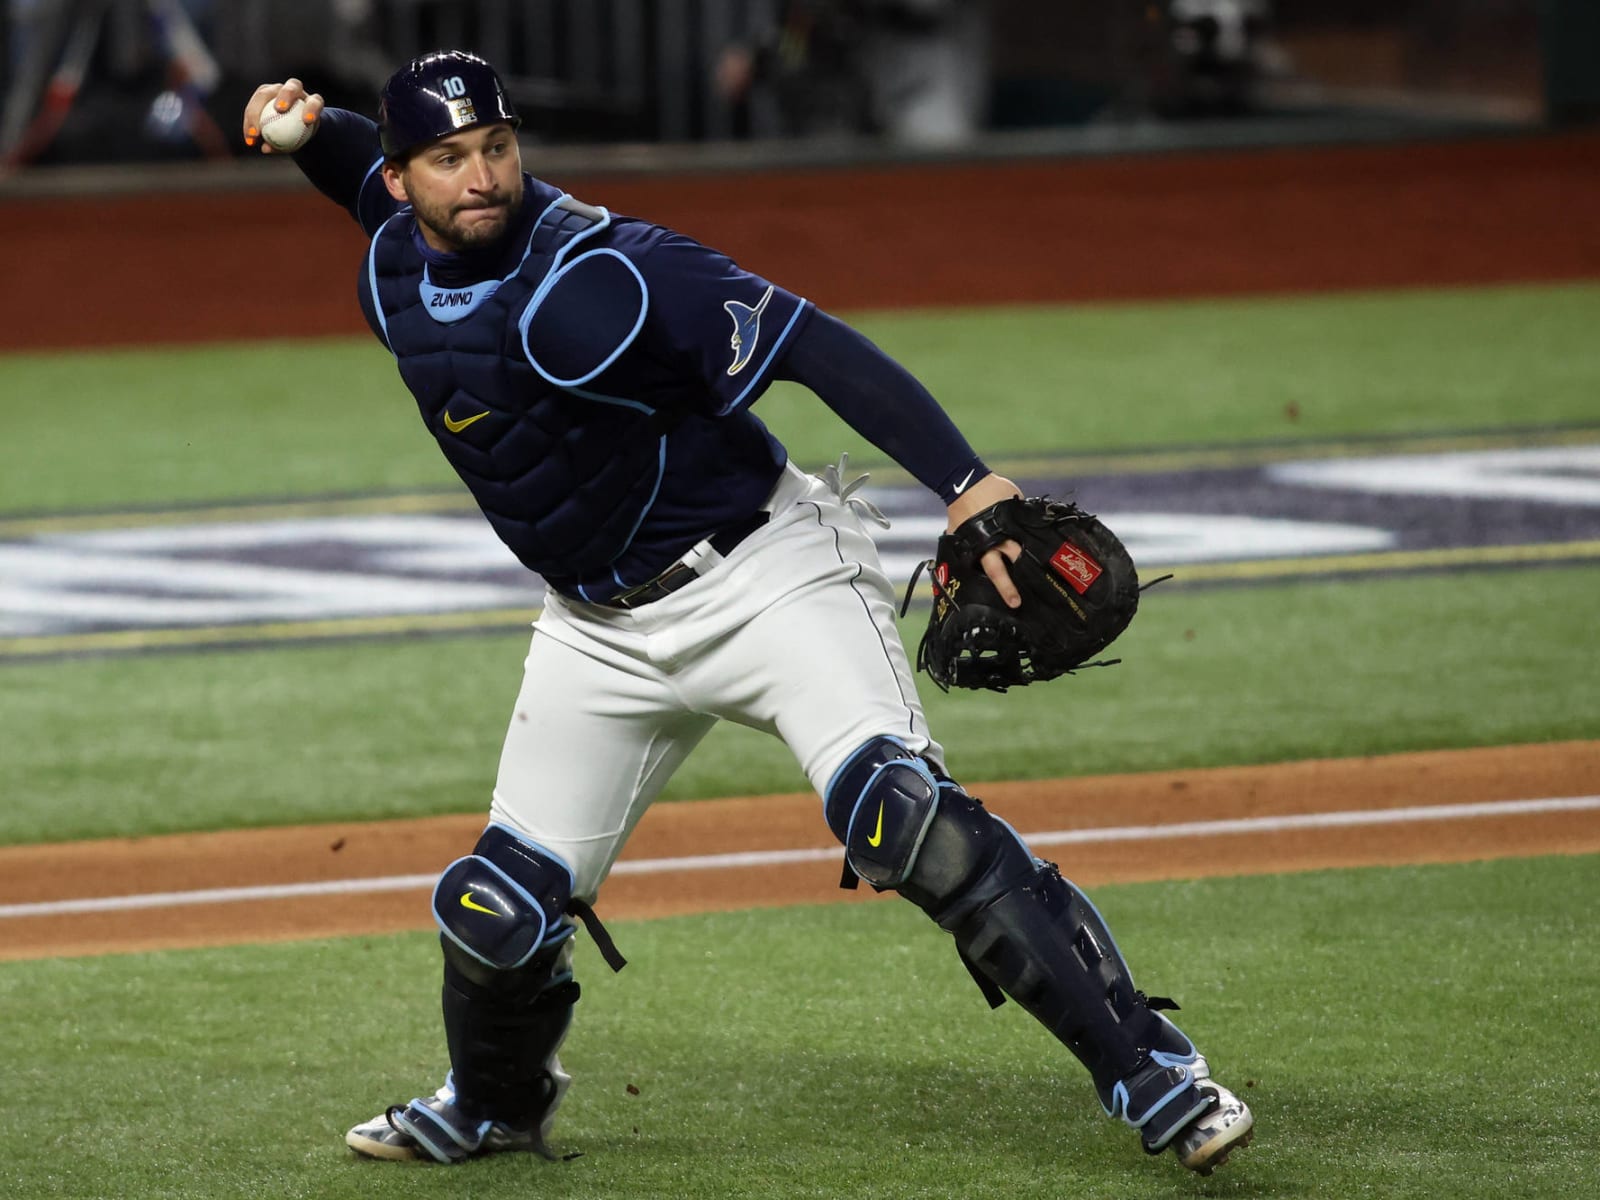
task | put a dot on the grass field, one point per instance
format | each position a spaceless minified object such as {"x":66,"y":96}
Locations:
{"x":315,"y":417}
{"x":1421,"y":1032}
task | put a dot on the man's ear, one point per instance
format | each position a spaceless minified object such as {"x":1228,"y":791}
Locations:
{"x":392,"y":181}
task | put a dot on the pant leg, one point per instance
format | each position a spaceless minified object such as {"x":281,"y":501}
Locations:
{"x":793,"y":633}
{"x":592,"y":740}
{"x":815,"y":656}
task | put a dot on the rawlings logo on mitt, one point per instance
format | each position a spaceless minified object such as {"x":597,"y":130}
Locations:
{"x":1078,"y":585}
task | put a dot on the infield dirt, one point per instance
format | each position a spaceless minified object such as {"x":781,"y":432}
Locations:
{"x":307,"y":854}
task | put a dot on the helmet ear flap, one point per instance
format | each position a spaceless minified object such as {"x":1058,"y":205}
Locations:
{"x":439,"y":94}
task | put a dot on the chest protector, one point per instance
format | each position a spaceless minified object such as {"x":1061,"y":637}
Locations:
{"x":565,"y":477}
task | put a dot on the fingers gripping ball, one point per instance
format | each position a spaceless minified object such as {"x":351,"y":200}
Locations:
{"x":286,"y":132}
{"x":1079,"y":591}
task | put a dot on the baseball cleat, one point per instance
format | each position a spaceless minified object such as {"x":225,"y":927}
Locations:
{"x":434,"y":1129}
{"x":1208,"y":1140}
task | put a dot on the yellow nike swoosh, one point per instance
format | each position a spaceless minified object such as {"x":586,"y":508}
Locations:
{"x":877,"y":834}
{"x":468,"y":902}
{"x":455,"y":426}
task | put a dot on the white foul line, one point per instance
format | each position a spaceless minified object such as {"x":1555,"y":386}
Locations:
{"x":768,"y":858}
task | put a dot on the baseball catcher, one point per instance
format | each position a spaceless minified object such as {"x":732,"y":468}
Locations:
{"x":590,"y":378}
{"x":1076,"y":582}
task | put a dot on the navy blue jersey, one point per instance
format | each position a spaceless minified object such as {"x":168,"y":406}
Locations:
{"x":612,"y":362}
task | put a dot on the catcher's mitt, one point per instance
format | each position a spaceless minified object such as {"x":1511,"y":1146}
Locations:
{"x":1078,"y":585}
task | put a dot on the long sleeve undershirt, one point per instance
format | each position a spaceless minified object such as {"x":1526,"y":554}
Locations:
{"x":883,"y":402}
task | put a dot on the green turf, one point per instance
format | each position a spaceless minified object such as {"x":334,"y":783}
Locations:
{"x":1426,"y":1032}
{"x":142,"y":745}
{"x":152,"y":427}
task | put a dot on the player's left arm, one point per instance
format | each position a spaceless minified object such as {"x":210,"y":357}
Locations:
{"x":887,"y":405}
{"x":710,"y":319}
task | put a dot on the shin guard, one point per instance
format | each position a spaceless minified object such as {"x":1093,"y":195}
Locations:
{"x":508,"y":989}
{"x":503,"y":1033}
{"x":1021,"y":929}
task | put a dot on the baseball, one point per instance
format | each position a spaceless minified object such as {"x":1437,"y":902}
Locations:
{"x":286,"y":131}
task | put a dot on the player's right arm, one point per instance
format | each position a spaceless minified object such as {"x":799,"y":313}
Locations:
{"x":342,"y":158}
{"x":280,"y":96}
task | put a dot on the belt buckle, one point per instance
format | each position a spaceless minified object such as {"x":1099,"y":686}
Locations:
{"x":651,"y":590}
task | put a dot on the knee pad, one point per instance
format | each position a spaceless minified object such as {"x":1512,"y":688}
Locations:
{"x":880,"y":804}
{"x":503,"y":904}
{"x":905,"y":826}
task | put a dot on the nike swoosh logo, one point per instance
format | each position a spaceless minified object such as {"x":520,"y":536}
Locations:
{"x":455,"y":426}
{"x":960,"y":487}
{"x":468,"y":902}
{"x":877,"y":834}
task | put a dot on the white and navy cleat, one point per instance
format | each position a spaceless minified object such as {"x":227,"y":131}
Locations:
{"x":434,"y":1129}
{"x":1207,"y":1141}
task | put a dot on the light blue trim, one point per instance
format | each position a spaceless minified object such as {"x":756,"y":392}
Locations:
{"x":833,"y":782}
{"x":1119,"y":1101}
{"x":661,"y":475}
{"x":377,"y":165}
{"x":602,"y":398}
{"x":372,"y":284}
{"x":767,"y":362}
{"x":532,"y":233}
{"x":572,"y":879}
{"x":1082,"y":895}
{"x":543,"y":291}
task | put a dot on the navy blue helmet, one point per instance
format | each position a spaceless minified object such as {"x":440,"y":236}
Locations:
{"x":435,"y":95}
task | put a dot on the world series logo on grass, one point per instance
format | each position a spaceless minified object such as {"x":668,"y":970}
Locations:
{"x":343,"y":568}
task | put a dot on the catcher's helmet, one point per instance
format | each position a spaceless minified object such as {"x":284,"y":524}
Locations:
{"x":437,"y":94}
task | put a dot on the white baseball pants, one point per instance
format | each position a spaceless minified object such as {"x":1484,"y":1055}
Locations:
{"x":792,"y":633}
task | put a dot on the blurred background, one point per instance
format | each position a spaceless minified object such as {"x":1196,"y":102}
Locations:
{"x":642,"y":82}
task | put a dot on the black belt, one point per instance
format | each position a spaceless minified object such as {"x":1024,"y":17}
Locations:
{"x":681,"y":573}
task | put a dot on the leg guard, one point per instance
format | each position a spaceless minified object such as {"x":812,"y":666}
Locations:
{"x":508,"y":987}
{"x":1019,"y":926}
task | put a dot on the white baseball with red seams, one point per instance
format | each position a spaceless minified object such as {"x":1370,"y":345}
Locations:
{"x":286,"y":131}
